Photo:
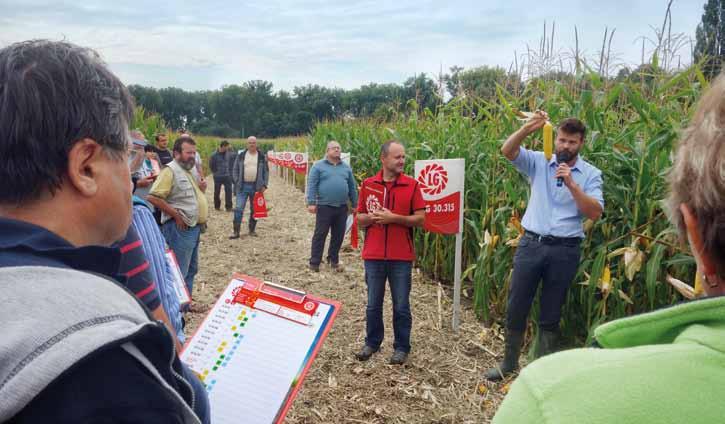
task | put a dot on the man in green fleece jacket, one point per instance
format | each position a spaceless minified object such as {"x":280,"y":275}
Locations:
{"x":330,"y":186}
{"x":666,"y":366}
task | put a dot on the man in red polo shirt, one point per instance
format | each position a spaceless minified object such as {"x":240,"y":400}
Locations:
{"x":389,"y":206}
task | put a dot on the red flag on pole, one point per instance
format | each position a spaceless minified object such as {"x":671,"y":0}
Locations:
{"x":260,"y":205}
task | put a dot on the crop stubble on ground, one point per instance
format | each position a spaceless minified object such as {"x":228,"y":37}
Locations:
{"x":441,"y":383}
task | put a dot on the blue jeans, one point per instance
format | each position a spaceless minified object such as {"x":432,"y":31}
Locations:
{"x":185,"y":244}
{"x":245,"y":191}
{"x":534,"y":261}
{"x":398,"y":275}
{"x":201,"y":399}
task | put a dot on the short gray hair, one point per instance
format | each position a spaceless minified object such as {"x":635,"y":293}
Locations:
{"x":697,"y":177}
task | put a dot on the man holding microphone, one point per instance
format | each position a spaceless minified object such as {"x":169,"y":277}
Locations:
{"x":564,"y":190}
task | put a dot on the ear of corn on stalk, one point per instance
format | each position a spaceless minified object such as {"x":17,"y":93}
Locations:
{"x":698,"y":284}
{"x":548,"y":140}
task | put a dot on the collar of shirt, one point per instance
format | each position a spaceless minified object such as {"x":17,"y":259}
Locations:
{"x":378,"y":178}
{"x":24,"y":241}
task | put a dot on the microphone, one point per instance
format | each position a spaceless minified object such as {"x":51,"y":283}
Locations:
{"x":562,"y":157}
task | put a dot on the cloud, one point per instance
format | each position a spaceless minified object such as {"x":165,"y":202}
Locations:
{"x":331,"y":43}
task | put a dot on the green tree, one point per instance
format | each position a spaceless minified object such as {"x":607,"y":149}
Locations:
{"x":710,"y":38}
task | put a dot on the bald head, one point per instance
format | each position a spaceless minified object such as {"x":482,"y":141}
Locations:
{"x":252,"y":144}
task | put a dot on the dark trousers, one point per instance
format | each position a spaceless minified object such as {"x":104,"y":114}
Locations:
{"x":332,"y":219}
{"x":398,"y":275}
{"x":554,"y":263}
{"x":227,"y":183}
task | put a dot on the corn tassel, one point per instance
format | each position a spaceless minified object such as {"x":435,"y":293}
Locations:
{"x":548,"y":140}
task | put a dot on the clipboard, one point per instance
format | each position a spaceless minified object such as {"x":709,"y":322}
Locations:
{"x":180,"y":289}
{"x":255,"y":347}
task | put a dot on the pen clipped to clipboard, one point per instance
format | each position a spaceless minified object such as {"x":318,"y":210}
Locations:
{"x":276,"y":299}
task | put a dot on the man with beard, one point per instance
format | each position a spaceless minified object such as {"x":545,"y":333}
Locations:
{"x":183,"y":206}
{"x":564,"y":190}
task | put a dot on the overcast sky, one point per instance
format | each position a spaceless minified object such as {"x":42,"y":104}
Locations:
{"x":204,"y":45}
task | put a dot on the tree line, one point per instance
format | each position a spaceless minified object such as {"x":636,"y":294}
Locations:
{"x":254,"y":108}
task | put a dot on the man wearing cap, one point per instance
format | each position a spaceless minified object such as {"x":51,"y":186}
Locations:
{"x":141,"y":175}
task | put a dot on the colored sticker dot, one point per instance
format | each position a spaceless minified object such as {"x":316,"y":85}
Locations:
{"x":234,"y":327}
{"x":246,"y":319}
{"x":222,"y":357}
{"x":220,"y":350}
{"x":236,"y":334}
{"x":215,"y":368}
{"x":206,"y":372}
{"x":218,"y":362}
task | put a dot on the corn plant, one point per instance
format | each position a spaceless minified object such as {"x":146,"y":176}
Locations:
{"x":626,"y":255}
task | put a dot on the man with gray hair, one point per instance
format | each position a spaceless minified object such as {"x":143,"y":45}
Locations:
{"x":251,"y":175}
{"x":330,"y":185}
{"x":76,"y":346}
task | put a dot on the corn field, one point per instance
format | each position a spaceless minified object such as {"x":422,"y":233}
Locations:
{"x":626,"y":256}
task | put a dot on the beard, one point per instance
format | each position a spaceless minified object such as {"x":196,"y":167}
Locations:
{"x":187,"y":164}
{"x":569,"y":155}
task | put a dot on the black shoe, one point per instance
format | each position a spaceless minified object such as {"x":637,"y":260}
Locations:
{"x":399,"y":357}
{"x":337,"y":267}
{"x":546,"y":342}
{"x":365,"y":353}
{"x":510,"y":363}
{"x":235,"y":235}
{"x":314,"y":268}
{"x":253,"y":234}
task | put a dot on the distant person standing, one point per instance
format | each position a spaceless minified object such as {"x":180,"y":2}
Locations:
{"x":142,"y":171}
{"x":391,"y":206}
{"x":330,"y":186}
{"x":183,"y":206}
{"x":250,"y":175}
{"x":162,"y":149}
{"x":219,"y":166}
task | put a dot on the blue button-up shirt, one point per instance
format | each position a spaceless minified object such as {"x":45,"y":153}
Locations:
{"x":552,"y":210}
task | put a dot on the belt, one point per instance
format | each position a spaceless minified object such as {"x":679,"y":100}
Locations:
{"x":552,"y":239}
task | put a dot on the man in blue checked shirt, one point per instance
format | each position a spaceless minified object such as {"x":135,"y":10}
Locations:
{"x":564,"y":191}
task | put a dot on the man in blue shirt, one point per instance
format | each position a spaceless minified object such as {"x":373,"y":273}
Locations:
{"x":330,"y":185}
{"x":564,"y":190}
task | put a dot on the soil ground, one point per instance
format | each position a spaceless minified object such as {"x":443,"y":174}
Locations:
{"x":442,"y":380}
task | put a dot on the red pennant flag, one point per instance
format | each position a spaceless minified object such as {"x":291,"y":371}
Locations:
{"x":354,"y":237}
{"x":260,"y":205}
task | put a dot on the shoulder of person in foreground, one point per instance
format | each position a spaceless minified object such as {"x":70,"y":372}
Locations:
{"x":109,"y":362}
{"x":640,"y":384}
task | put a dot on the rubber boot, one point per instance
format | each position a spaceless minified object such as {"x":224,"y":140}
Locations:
{"x":252,"y":226}
{"x":510,"y":363}
{"x":546,"y":342}
{"x":237,"y":226}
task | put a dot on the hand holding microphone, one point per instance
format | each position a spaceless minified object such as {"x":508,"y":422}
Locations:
{"x":563,"y":170}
